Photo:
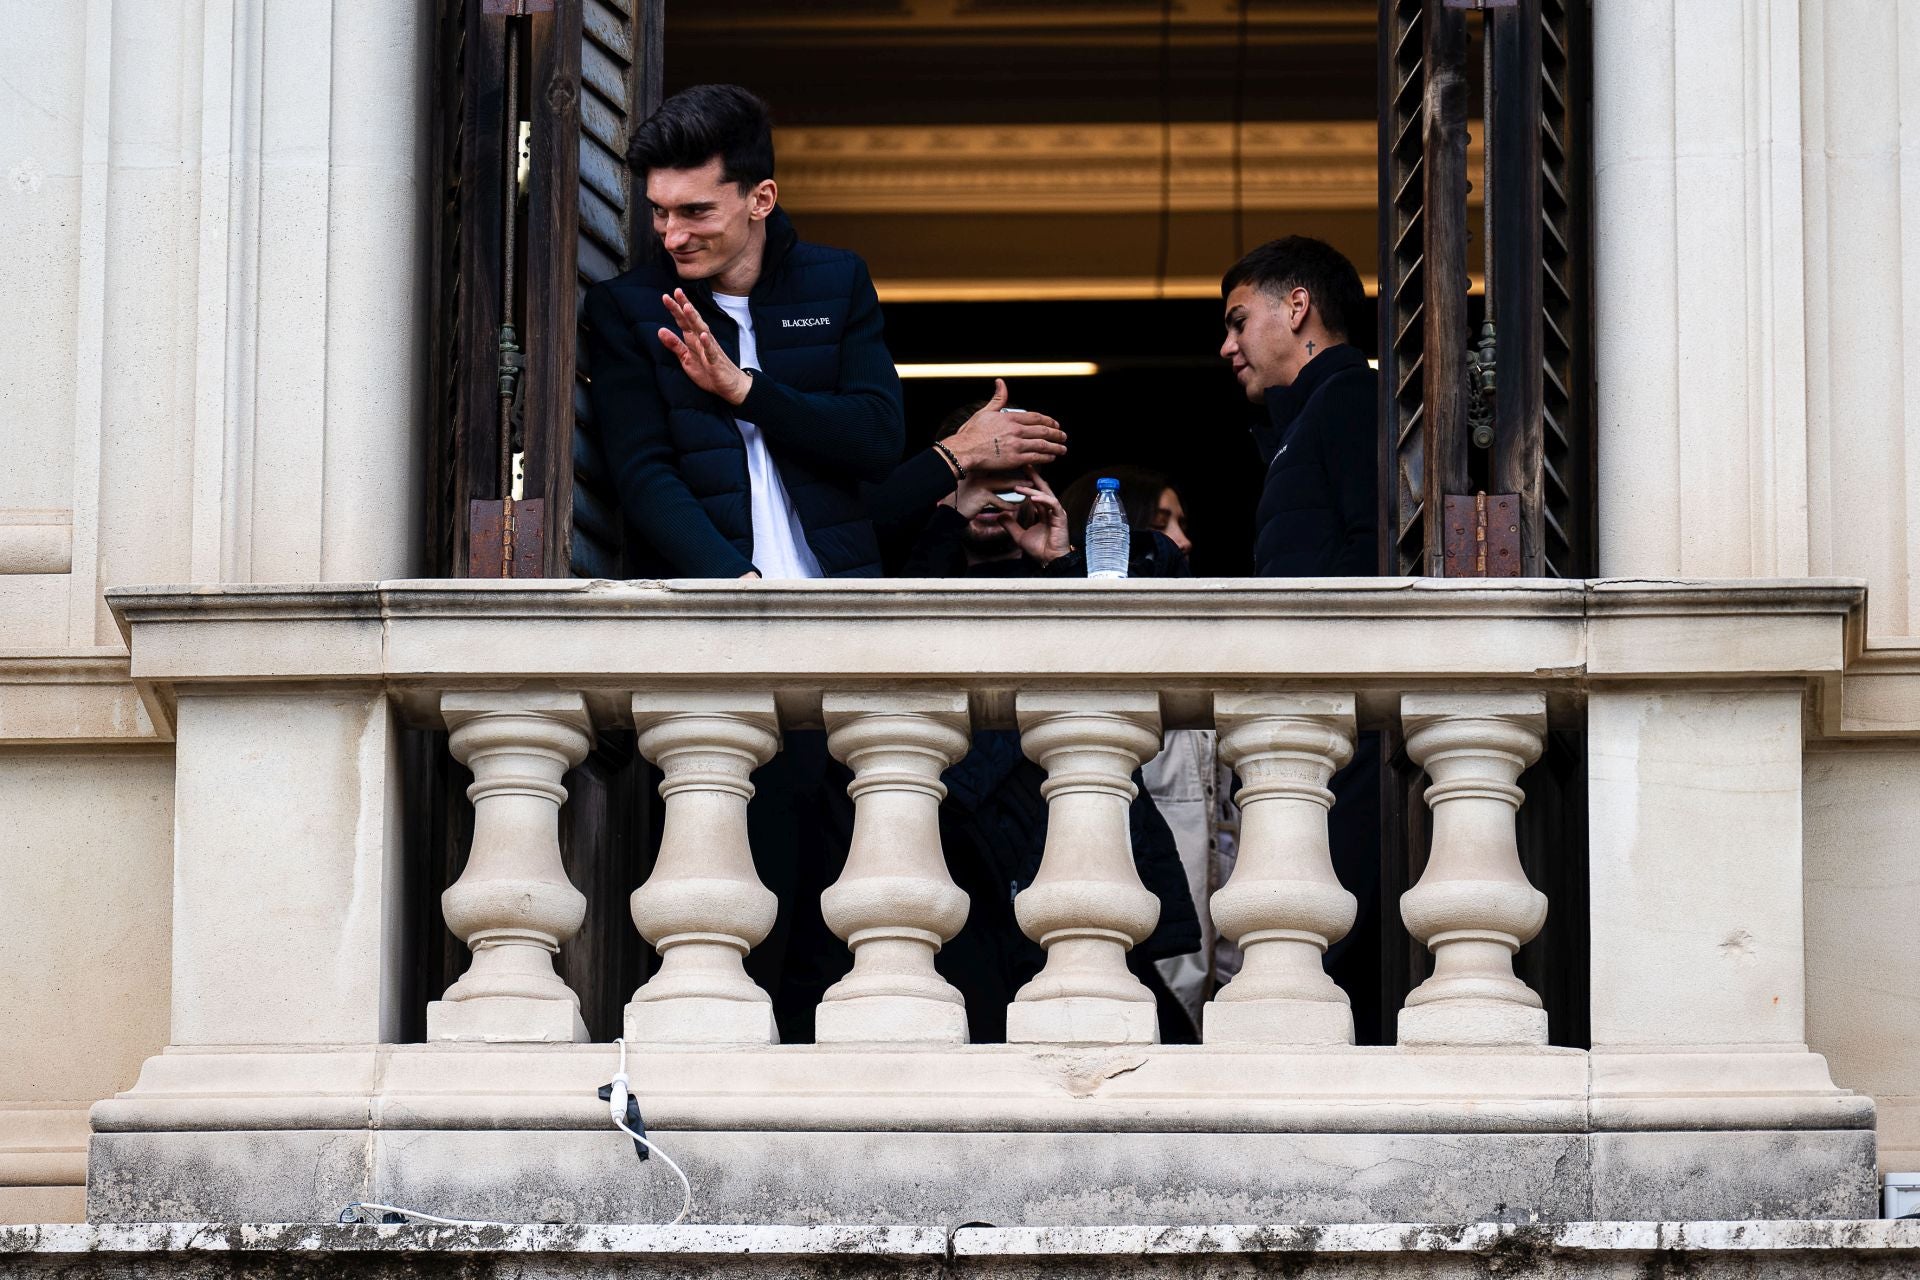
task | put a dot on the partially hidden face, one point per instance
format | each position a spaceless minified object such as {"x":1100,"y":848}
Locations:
{"x":1170,"y":518}
{"x":703,"y":220}
{"x":989,"y":530}
{"x":1259,"y":340}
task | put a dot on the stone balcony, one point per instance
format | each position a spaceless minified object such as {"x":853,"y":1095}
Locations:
{"x":285,"y":1092}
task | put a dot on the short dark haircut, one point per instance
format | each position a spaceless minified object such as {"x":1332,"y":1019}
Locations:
{"x":1280,"y":266}
{"x":708,"y":120}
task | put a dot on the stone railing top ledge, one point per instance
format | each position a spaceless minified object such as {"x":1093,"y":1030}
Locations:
{"x":1196,"y":635}
{"x":1139,"y":597}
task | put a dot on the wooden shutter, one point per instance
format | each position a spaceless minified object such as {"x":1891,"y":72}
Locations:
{"x":585,"y":72}
{"x":1540,"y":451}
{"x":620,"y":70}
{"x":1537,"y":67}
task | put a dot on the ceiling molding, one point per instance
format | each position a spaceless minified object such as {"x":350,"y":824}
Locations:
{"x":1028,"y":169}
{"x":880,"y":19}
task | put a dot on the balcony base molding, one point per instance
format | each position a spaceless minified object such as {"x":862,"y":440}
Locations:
{"x":1038,"y":1179}
{"x":1005,"y":1134}
{"x":1586,"y":1250}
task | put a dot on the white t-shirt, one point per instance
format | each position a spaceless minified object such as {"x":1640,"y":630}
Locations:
{"x":780,"y":547}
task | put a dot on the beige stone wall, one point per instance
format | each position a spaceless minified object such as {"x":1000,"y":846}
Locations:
{"x":1757,"y":185}
{"x":213,"y":216}
{"x":1863,"y":896}
{"x":213,"y":211}
{"x":1758,"y":319}
{"x":86,"y":876}
{"x":1860,"y":86}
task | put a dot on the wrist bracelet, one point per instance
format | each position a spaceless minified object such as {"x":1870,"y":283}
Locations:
{"x":959,"y":472}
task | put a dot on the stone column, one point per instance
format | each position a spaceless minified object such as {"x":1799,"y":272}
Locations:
{"x":704,"y":908}
{"x":513,"y":904}
{"x":1473,"y":906}
{"x":895,"y":904}
{"x":1701,"y":290}
{"x":287,"y":869}
{"x":1087,"y":906}
{"x":1283,"y":904}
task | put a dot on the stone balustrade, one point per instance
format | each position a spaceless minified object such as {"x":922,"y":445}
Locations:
{"x":290,"y":922}
{"x":703,"y":908}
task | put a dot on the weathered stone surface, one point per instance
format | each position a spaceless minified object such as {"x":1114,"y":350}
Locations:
{"x":1735,"y":1176}
{"x":1595,"y":1250}
{"x":172,"y":1177}
{"x":943,"y":1179}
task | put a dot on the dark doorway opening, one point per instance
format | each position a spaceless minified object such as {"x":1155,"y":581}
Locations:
{"x":1162,"y":398}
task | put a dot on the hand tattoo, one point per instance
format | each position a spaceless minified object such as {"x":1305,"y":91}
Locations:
{"x":996,"y":446}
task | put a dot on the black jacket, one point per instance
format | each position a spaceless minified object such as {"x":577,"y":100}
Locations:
{"x":1319,"y":511}
{"x":828,"y":406}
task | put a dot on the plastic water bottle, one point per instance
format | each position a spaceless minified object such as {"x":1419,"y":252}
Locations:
{"x":1107,"y":533}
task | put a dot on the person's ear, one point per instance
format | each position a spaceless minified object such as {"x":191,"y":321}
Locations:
{"x":1299,"y":301}
{"x":761,"y":199}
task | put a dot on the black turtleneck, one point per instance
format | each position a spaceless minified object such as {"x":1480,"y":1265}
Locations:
{"x":1318,"y":513}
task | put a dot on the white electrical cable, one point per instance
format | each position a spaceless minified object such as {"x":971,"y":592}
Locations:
{"x":416,"y":1215}
{"x":617,"y":1108}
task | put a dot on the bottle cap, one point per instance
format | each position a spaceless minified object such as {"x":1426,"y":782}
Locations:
{"x":1104,"y":483}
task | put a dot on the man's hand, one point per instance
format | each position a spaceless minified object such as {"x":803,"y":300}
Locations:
{"x":993,"y":440}
{"x":1041,"y":530}
{"x":700,"y":353}
{"x":971,"y":495}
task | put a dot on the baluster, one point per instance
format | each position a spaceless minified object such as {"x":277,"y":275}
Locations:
{"x":704,"y":908}
{"x":1473,"y":906}
{"x":513,"y":903}
{"x":895,"y":904}
{"x":1283,"y":904}
{"x":1087,"y":906}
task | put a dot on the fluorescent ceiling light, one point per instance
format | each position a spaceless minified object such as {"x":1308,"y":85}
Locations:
{"x":1002,"y":369}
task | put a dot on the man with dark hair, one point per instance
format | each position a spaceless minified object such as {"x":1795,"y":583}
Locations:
{"x":741,"y":383}
{"x":1291,"y":307}
{"x":744,"y":396}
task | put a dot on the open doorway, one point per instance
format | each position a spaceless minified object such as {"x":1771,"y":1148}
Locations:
{"x":1065,"y":183}
{"x":1054,"y":181}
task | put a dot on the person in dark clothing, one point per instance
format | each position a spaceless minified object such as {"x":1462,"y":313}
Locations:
{"x":741,"y":383}
{"x":993,"y":822}
{"x":1291,"y":305}
{"x":744,"y":396}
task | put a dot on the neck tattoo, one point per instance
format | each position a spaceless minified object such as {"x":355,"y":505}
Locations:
{"x":1310,"y":347}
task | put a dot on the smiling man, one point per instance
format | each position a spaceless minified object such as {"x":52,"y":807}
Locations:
{"x":743,"y":391}
{"x":740,"y":380}
{"x":1291,"y":305}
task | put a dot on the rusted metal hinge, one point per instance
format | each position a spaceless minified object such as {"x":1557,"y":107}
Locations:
{"x":515,"y":8}
{"x":1483,"y":535}
{"x":506,"y":539}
